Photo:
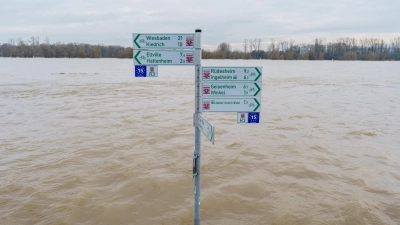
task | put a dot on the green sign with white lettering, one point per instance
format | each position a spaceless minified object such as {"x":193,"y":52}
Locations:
{"x":163,"y":41}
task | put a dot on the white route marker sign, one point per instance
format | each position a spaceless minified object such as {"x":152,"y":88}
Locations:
{"x":206,"y":128}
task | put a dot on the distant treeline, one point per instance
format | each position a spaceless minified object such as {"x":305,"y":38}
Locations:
{"x":33,"y":48}
{"x":340,"y":49}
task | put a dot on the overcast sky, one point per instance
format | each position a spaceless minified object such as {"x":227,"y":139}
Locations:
{"x":113,"y":22}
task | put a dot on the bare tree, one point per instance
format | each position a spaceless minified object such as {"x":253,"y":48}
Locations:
{"x":246,"y":46}
{"x":11,"y":41}
{"x":23,"y":50}
{"x":272,"y":45}
{"x":273,"y":48}
{"x":284,"y":46}
{"x":47,"y":40}
{"x":396,"y":48}
{"x":34,"y":41}
{"x":256,"y":45}
{"x":319,"y":48}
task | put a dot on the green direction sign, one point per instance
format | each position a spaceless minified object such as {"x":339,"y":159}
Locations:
{"x":231,"y":89}
{"x":231,"y":74}
{"x":230,"y":104}
{"x":164,"y":41}
{"x":206,"y":128}
{"x":160,"y":57}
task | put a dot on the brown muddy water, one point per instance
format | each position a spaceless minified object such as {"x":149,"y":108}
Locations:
{"x":82,"y":141}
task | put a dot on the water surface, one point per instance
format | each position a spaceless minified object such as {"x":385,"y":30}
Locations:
{"x":82,"y":141}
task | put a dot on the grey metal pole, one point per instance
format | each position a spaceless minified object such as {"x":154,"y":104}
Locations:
{"x":197,"y":147}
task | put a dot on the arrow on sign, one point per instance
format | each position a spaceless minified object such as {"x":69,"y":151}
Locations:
{"x":258,"y":105}
{"x":259,"y":89}
{"x":134,"y":41}
{"x":137,"y":60}
{"x":259,"y":74}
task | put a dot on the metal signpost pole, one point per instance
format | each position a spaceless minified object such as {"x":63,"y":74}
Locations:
{"x":196,"y":157}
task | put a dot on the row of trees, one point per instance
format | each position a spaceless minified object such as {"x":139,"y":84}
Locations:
{"x":33,"y":48}
{"x":340,"y":49}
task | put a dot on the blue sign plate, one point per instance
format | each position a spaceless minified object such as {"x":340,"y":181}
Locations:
{"x":146,"y":71}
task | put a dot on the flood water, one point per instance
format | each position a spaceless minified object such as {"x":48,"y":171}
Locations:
{"x":82,"y":141}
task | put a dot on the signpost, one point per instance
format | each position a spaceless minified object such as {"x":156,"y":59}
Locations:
{"x":206,"y":128}
{"x":231,"y":105}
{"x":197,"y":140}
{"x":162,"y":57}
{"x":217,"y":89}
{"x":163,"y":41}
{"x":232,"y":74}
{"x":230,"y":89}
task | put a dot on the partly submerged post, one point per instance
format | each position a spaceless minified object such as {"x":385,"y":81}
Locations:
{"x":197,"y":155}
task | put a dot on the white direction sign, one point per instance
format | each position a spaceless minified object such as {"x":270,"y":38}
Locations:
{"x":230,"y":104}
{"x":165,"y":41}
{"x":160,"y":57}
{"x":206,"y":128}
{"x":231,"y":74}
{"x":230,"y":89}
